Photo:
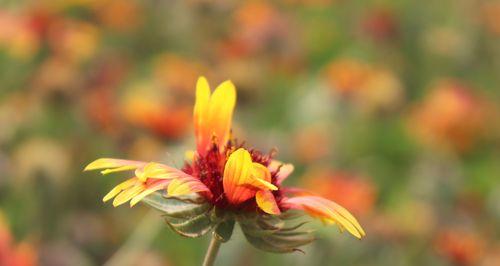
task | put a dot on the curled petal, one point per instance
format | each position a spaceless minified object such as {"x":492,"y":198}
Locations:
{"x":266,"y":201}
{"x":213,"y":114}
{"x":284,"y":170}
{"x":236,"y":173}
{"x":113,"y":165}
{"x":261,"y":177}
{"x":243,"y":178}
{"x":326,"y":210}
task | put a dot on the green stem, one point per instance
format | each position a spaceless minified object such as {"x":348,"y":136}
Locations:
{"x":212,"y":251}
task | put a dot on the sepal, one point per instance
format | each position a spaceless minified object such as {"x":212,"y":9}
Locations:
{"x":224,"y":230}
{"x":274,"y":233}
{"x":189,"y":216}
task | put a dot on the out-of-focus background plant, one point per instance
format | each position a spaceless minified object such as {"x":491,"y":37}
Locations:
{"x":390,"y":108}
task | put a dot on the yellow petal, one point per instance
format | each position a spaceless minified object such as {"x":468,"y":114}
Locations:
{"x":150,"y":189}
{"x":128,"y":194}
{"x":200,"y":115}
{"x":221,"y":109}
{"x":178,"y":188}
{"x":156,"y":171}
{"x":266,"y":202}
{"x":261,"y":177}
{"x":124,"y":185}
{"x":213,"y":114}
{"x":118,"y":169}
{"x":111,"y":163}
{"x":327,"y":211}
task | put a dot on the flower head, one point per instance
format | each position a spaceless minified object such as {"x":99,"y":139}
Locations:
{"x":224,"y":182}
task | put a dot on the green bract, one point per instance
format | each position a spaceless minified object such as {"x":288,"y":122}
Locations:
{"x":194,"y":217}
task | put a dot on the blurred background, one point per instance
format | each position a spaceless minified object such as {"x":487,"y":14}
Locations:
{"x":390,"y":108}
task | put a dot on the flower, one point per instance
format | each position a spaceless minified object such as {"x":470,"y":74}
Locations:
{"x":21,"y":254}
{"x":451,"y":116}
{"x":229,"y":182}
{"x":460,"y":246}
{"x":146,"y":106}
{"x":370,"y":88}
{"x":354,"y":191}
{"x":380,"y":24}
{"x":17,"y":36}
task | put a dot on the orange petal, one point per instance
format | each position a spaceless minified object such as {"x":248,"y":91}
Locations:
{"x":326,"y":210}
{"x":266,"y":201}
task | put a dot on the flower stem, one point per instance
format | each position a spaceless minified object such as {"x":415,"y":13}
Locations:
{"x":212,"y":251}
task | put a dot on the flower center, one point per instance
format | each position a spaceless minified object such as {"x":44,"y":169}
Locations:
{"x":210,"y":168}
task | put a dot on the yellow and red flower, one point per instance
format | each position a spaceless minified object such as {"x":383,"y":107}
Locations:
{"x":228,"y":176}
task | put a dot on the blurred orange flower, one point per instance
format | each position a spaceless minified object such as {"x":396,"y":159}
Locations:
{"x":301,"y":144}
{"x":489,"y":14}
{"x":146,"y":105}
{"x":370,"y":88}
{"x":119,"y":15}
{"x":74,"y":40}
{"x":11,"y":254}
{"x":450,"y":116}
{"x":459,"y":246}
{"x":176,"y":73}
{"x":346,"y":75}
{"x":353,"y":191}
{"x":17,"y":36}
{"x":258,"y":26}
